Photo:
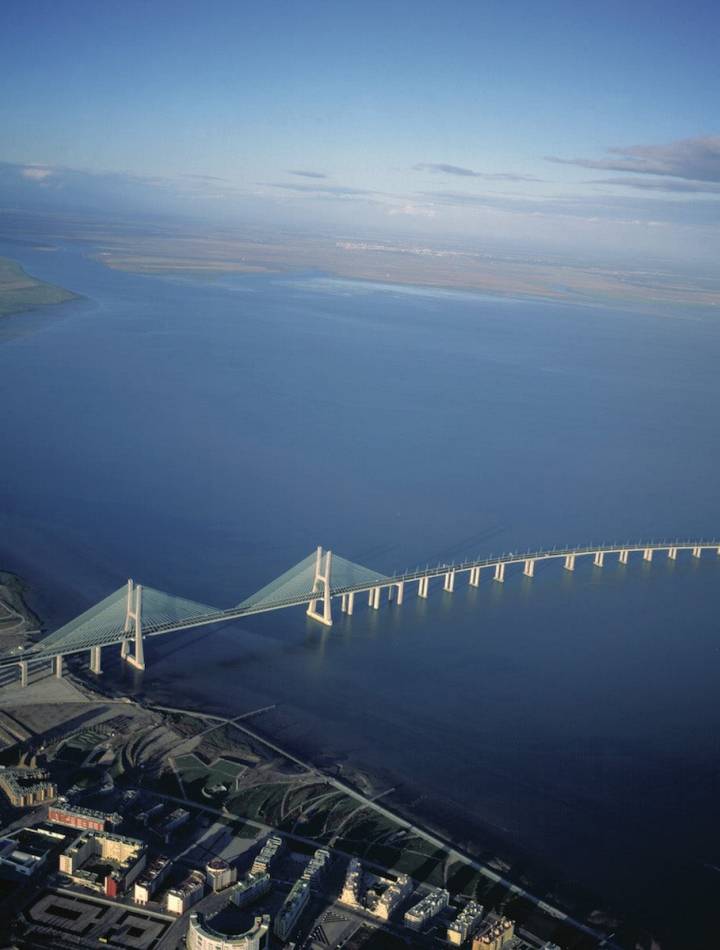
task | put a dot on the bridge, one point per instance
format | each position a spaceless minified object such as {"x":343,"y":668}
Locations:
{"x":131,"y":614}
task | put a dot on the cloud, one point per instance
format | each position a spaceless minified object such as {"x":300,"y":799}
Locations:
{"x":696,"y":159}
{"x":443,"y":169}
{"x":36,"y":172}
{"x":306,"y":174}
{"x":204,"y":177}
{"x":338,"y":191}
{"x":661,"y":184}
{"x":418,"y":211}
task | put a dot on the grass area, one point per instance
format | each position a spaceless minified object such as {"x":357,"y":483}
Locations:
{"x":19,"y":291}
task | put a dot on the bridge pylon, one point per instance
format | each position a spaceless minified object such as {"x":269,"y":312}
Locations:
{"x":321,"y":585}
{"x":133,"y":624}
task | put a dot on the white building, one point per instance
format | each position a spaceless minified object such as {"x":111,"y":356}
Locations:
{"x":202,"y":936}
{"x":290,"y":912}
{"x":262,"y":862}
{"x":181,"y":898}
{"x":219,"y":874}
{"x":394,"y":895}
{"x":465,"y":923}
{"x":427,"y":908}
{"x":352,"y":888}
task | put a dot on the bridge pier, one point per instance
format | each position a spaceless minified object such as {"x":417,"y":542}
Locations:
{"x":647,"y":554}
{"x":134,"y":613}
{"x":696,"y":552}
{"x":321,"y":583}
{"x":58,"y":666}
{"x":375,"y":598}
{"x":96,"y":660}
{"x":23,"y":672}
{"x":423,"y":587}
{"x":343,"y":603}
{"x":529,"y":569}
{"x":474,"y":579}
{"x":499,"y":572}
{"x":400,"y":592}
{"x":350,"y":603}
{"x":599,"y":558}
{"x":624,"y":556}
{"x":569,"y":562}
{"x":672,"y":554}
{"x":449,"y":584}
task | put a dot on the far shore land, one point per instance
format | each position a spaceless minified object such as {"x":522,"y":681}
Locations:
{"x":20,"y":292}
{"x":412,"y":264}
{"x":479,"y":868}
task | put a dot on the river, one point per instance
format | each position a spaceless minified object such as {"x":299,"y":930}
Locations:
{"x":203,"y":436}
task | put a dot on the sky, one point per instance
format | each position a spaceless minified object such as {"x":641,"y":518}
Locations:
{"x":545,"y":125}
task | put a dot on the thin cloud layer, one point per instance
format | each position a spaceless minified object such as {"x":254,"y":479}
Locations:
{"x":442,"y":168}
{"x":696,"y":159}
{"x":680,"y":186}
{"x":306,"y":174}
{"x":337,"y":190}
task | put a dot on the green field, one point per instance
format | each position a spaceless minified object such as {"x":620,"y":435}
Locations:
{"x":19,"y":291}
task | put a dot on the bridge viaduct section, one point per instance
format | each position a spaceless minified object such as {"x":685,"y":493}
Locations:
{"x":120,"y":619}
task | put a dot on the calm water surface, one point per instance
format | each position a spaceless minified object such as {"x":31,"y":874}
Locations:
{"x":203,"y":437}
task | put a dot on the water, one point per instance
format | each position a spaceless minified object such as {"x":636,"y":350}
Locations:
{"x":202,"y":437}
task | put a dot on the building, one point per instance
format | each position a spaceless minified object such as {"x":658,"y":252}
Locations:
{"x":317,"y":865}
{"x":427,"y":908}
{"x":26,"y":787}
{"x":14,"y":858}
{"x":493,"y":935}
{"x":202,"y":936}
{"x":351,"y":893}
{"x":465,"y":923}
{"x":290,"y":912}
{"x":173,"y":821}
{"x":153,"y":875}
{"x":104,"y":861}
{"x":181,"y":898}
{"x":268,"y":852}
{"x":84,"y":819}
{"x":250,"y":888}
{"x":219,"y":874}
{"x":392,"y":896}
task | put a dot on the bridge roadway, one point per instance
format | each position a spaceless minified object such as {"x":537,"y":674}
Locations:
{"x":324,"y":593}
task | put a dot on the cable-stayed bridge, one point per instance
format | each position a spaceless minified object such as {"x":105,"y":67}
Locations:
{"x":132,"y":613}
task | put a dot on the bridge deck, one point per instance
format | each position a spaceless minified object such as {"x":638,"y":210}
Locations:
{"x":370,"y":582}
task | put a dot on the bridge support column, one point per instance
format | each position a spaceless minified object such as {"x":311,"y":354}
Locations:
{"x":400,"y":592}
{"x":23,"y":672}
{"x":96,"y":660}
{"x":423,"y":587}
{"x":499,"y":572}
{"x":569,"y":562}
{"x":321,"y":585}
{"x":58,"y":666}
{"x":343,"y":603}
{"x":647,"y":554}
{"x":350,"y":603}
{"x":449,"y":584}
{"x":474,"y":579}
{"x":375,"y":598}
{"x":599,"y":558}
{"x":529,"y":569}
{"x":696,"y":552}
{"x":624,"y":556}
{"x":672,"y":554}
{"x":133,"y":625}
